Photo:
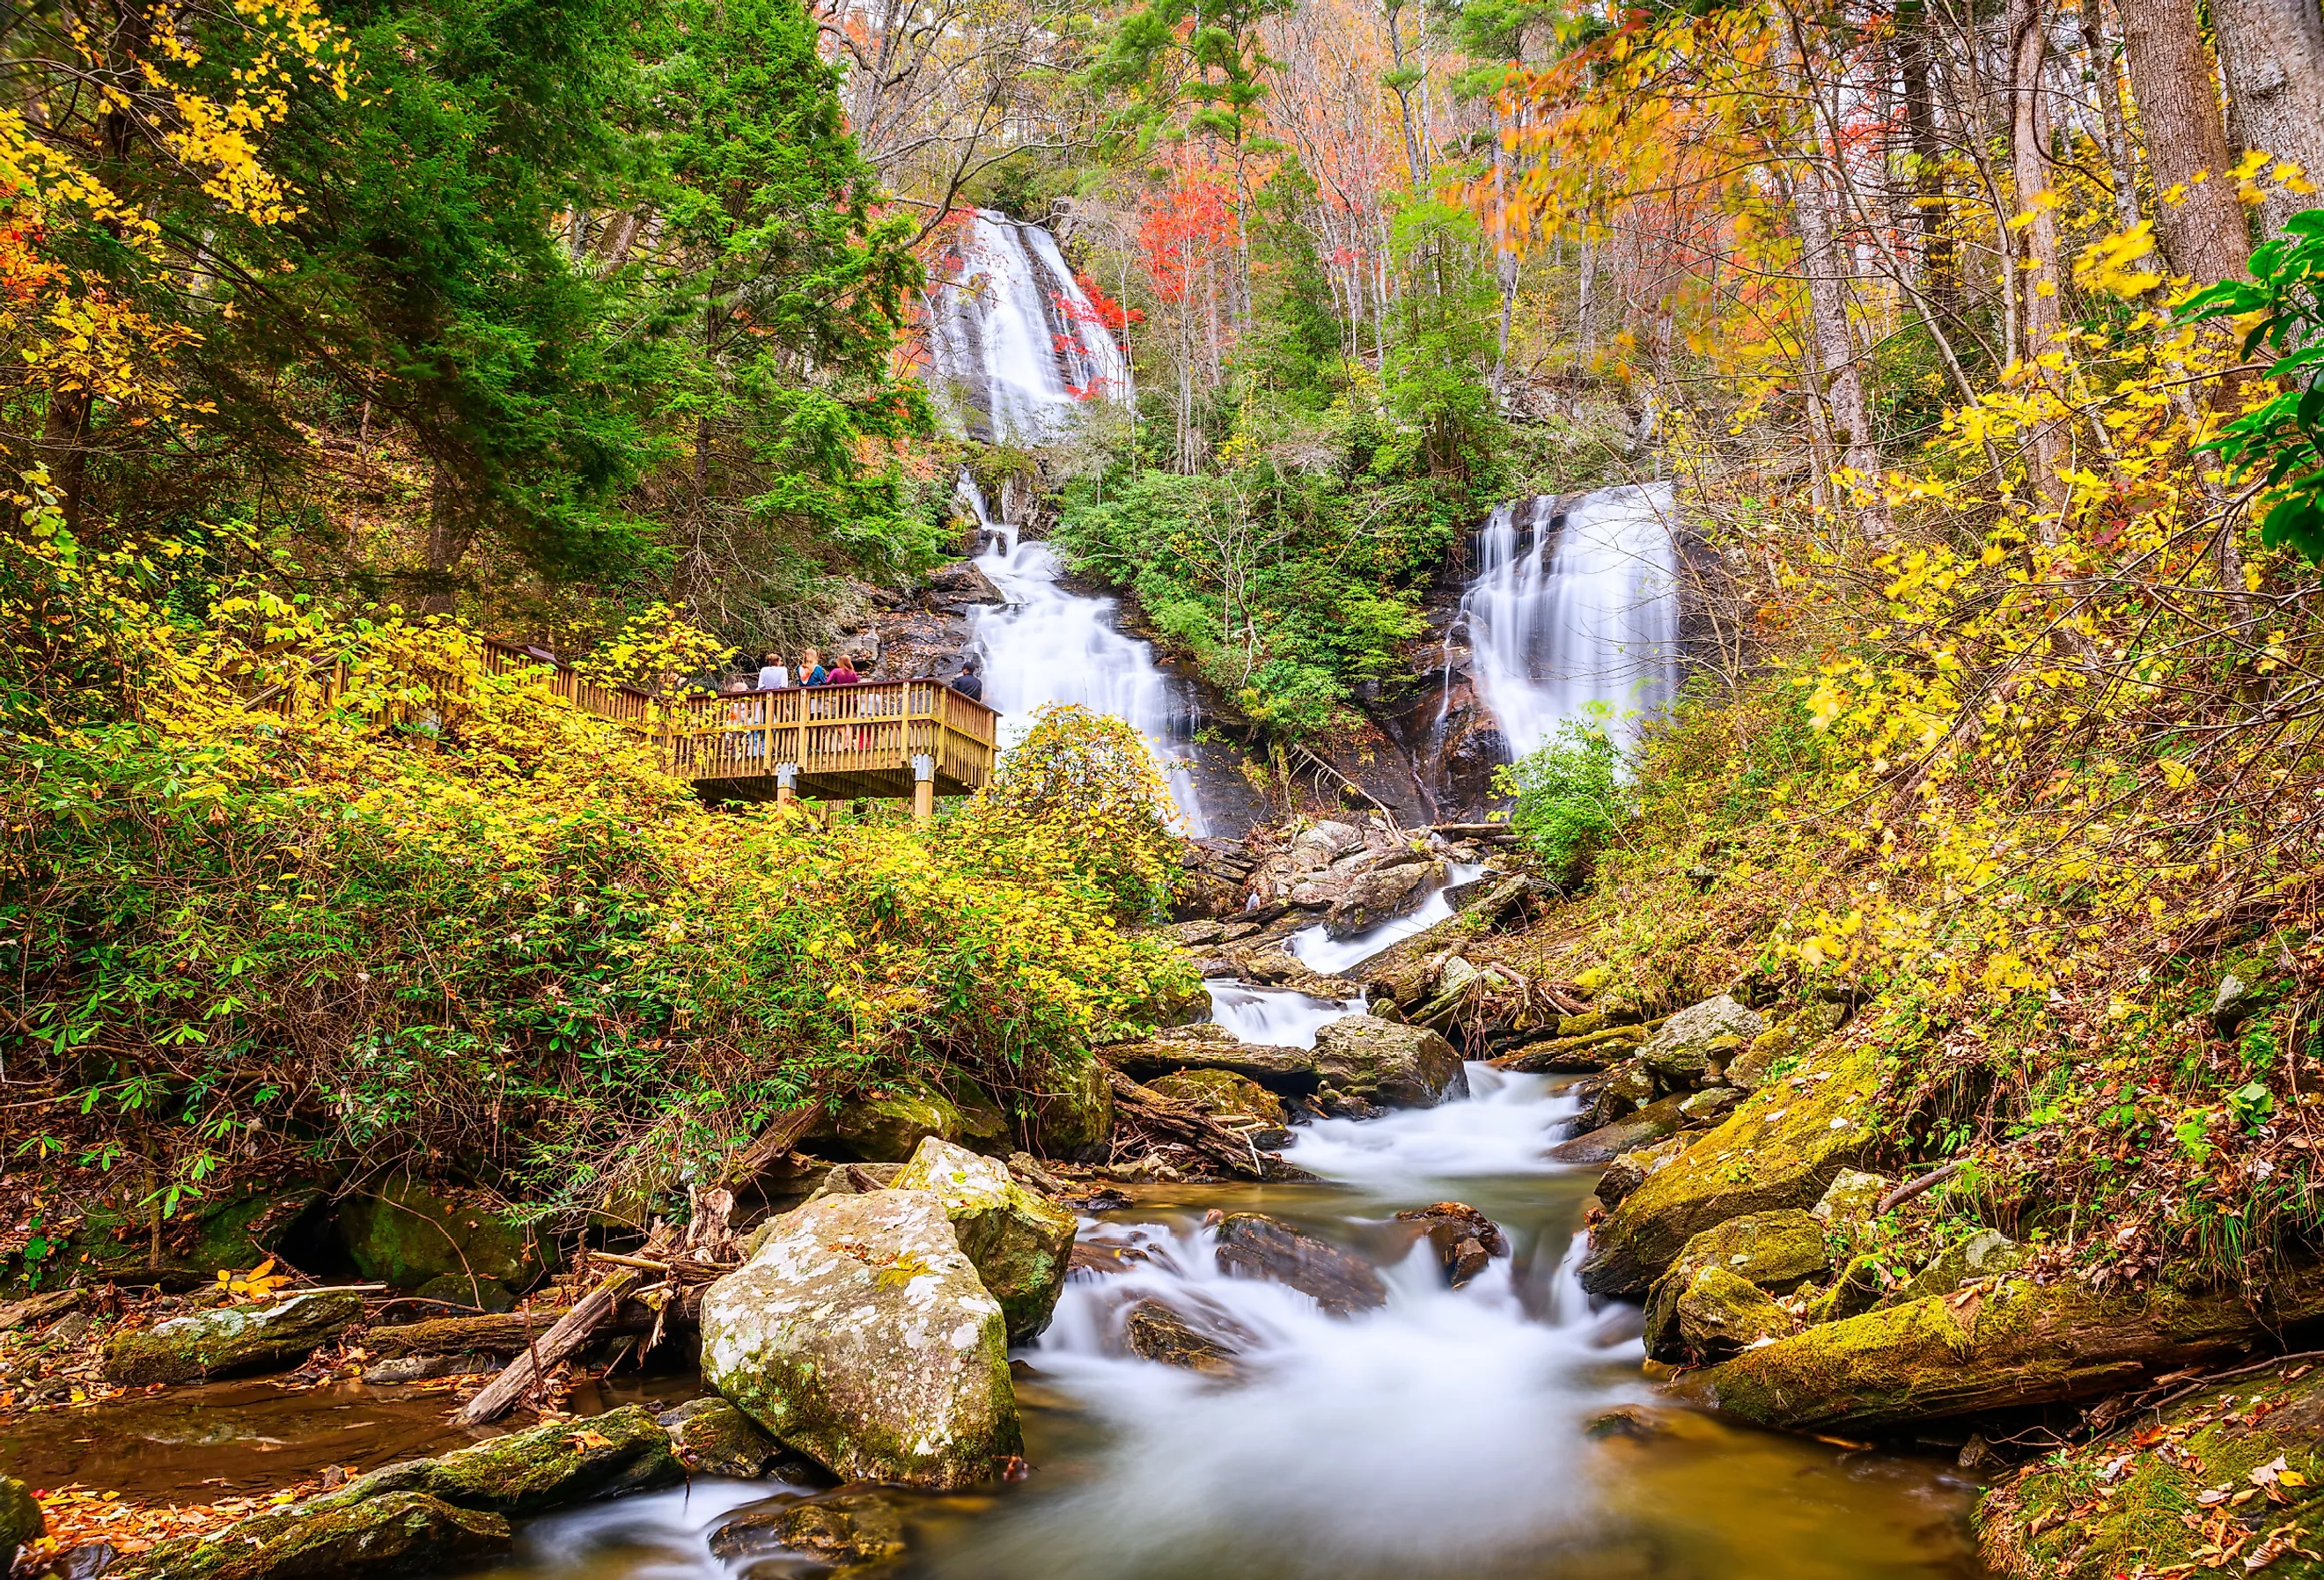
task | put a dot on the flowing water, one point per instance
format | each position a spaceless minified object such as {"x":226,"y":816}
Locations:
{"x":1048,"y":644}
{"x":1275,"y":1016}
{"x":1016,"y":344}
{"x":1574,"y":612}
{"x":1502,"y":1429}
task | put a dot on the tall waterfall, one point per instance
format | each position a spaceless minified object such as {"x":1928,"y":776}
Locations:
{"x":1017,"y":344}
{"x":1047,"y":644}
{"x":1568,"y":610}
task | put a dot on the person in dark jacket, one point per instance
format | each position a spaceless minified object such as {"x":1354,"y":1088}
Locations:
{"x":967,"y":683}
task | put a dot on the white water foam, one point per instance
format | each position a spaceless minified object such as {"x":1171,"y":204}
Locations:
{"x":1275,"y":1016}
{"x":1017,"y":344}
{"x":1586,"y":614}
{"x":1506,"y":1127}
{"x":1047,"y":644}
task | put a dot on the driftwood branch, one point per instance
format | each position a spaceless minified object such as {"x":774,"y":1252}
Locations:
{"x":782,"y":1134}
{"x":1184,"y":1125}
{"x":573,"y":1330}
{"x":1912,"y":1187}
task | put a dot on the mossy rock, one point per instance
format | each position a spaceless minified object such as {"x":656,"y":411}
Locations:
{"x":1851,"y":1204}
{"x":1718,"y":1313}
{"x":848,"y":1532}
{"x":1018,"y":1241}
{"x":1074,"y":1120}
{"x":234,"y":1232}
{"x":398,"y":1534}
{"x":267,"y":1334}
{"x":1986,"y":1254}
{"x":22,"y":1523}
{"x":1775,"y":1252}
{"x":1622,"y":1090}
{"x":1857,"y":1290}
{"x":486,"y":1294}
{"x":884,"y":1126}
{"x":1685,"y":1048}
{"x":1225,"y":1094}
{"x":404,"y":1233}
{"x":529,"y":1473}
{"x":2012,"y":1344}
{"x":714,"y":1438}
{"x":2137,"y":1503}
{"x":1795,"y":1034}
{"x":1781,"y":1148}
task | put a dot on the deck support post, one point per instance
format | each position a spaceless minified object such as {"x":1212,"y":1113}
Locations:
{"x":785,"y":783}
{"x":923,"y":790}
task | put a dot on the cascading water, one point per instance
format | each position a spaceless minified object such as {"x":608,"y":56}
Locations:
{"x":1574,"y":611}
{"x":1047,"y":644}
{"x":1500,"y":1431}
{"x":1315,"y":948}
{"x":1016,"y":343}
{"x":1275,"y":1016}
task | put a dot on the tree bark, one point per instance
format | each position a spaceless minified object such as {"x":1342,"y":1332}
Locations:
{"x":572,"y":1331}
{"x":1939,"y":272}
{"x":2274,"y":53}
{"x":2203,"y":234}
{"x":2122,"y":165}
{"x":2037,"y":272}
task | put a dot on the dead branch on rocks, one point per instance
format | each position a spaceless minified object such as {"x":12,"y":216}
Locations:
{"x":1155,"y":1121}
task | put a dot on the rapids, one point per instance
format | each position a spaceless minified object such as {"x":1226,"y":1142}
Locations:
{"x":1499,"y":1430}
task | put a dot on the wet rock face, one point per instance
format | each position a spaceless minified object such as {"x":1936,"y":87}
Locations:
{"x":1256,"y":1246}
{"x":1075,"y":1120}
{"x":406,"y":1234}
{"x":1718,"y":1314}
{"x":1378,"y":1061}
{"x":528,"y":1473}
{"x":1156,"y":1333}
{"x":1465,"y":1240}
{"x":1626,"y":1173}
{"x":1773,"y":1252}
{"x":1655,"y":1122}
{"x":714,"y":1438}
{"x":1380,"y":895}
{"x":845,"y":1532}
{"x":1686,"y":1047}
{"x":859,"y":1335}
{"x":401,"y":1533}
{"x":270,"y":1335}
{"x":1018,"y":1241}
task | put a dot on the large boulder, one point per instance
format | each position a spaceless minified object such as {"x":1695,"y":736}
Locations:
{"x":404,"y":1233}
{"x":1781,"y":1148}
{"x":1684,"y":1047}
{"x":1381,"y":893}
{"x":236,"y":1229}
{"x":1378,"y":1061}
{"x":1207,"y":1047}
{"x":22,"y":1523}
{"x":1776,"y":1252}
{"x":1256,"y":1246}
{"x":1223,"y":1094}
{"x":859,"y":1335}
{"x":270,"y":1334}
{"x":1018,"y":1241}
{"x":884,"y":1126}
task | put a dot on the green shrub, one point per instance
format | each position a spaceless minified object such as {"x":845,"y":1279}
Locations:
{"x":1571,"y":794}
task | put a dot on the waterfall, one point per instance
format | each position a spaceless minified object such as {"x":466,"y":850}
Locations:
{"x":1574,"y":609}
{"x":1016,"y":343}
{"x":1047,"y":644}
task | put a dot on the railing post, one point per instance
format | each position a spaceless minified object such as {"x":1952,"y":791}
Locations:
{"x":924,"y":790}
{"x":785,"y":783}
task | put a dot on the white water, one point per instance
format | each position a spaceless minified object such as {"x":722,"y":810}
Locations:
{"x":1505,"y":1128}
{"x":1018,"y":346}
{"x":1047,"y":644}
{"x":1562,"y":621}
{"x":1275,"y":1016}
{"x":1315,"y":948}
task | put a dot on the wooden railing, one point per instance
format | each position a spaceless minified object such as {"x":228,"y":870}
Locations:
{"x":838,"y":741}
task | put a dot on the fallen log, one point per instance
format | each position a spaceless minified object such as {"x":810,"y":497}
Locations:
{"x":1997,"y":1346}
{"x":1183,"y":1124}
{"x":1593,"y":1050}
{"x":506,"y":1335}
{"x":573,"y":1330}
{"x":782,"y":1134}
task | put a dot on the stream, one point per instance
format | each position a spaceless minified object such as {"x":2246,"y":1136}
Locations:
{"x":1502,"y":1429}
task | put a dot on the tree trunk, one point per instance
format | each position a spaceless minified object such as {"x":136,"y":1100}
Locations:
{"x":2122,"y":165}
{"x":1939,"y":273}
{"x":2273,"y":53}
{"x":2037,"y":272}
{"x":2204,"y":236}
{"x":449,"y":533}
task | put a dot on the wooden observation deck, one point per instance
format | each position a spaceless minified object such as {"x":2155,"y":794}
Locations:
{"x":889,"y":739}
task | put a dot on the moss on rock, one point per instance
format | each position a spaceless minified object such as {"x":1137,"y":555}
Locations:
{"x":405,"y":1232}
{"x":272,"y":1333}
{"x":396,"y":1534}
{"x":1222,"y":1092}
{"x":2232,"y":1477}
{"x":1018,"y":1241}
{"x":885,"y":1127}
{"x":714,"y":1438}
{"x":22,"y":1522}
{"x":1718,"y":1313}
{"x":1775,"y":1252}
{"x":1075,"y":1115}
{"x":1781,"y":1148}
